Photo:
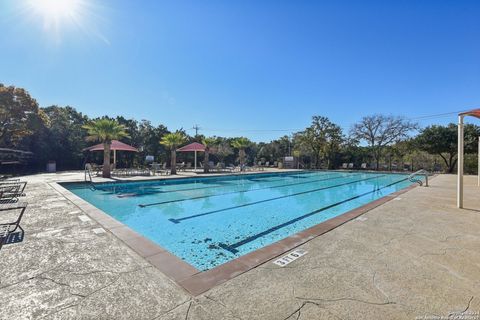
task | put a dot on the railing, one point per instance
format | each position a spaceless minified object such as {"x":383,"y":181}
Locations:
{"x":88,"y":173}
{"x":414,"y":177}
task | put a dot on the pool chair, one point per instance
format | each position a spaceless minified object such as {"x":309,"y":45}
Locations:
{"x":216,"y":168}
{"x":162,"y":169}
{"x":11,"y":232}
{"x":260,"y":166}
{"x":8,"y":179}
{"x":230,"y":168}
{"x":222,"y":166}
{"x":11,"y":191}
{"x":344,"y":165}
{"x":363,"y":166}
{"x":350,"y":165}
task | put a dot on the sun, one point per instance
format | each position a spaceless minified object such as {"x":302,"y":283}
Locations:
{"x":66,"y":19}
{"x":56,"y":9}
{"x":56,"y":15}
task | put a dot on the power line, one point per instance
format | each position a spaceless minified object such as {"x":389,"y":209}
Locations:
{"x":438,"y":115}
{"x":266,"y":131}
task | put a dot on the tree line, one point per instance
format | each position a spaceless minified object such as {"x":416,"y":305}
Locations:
{"x":382,"y":142}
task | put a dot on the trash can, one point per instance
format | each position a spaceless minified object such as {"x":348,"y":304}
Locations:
{"x":51,"y":166}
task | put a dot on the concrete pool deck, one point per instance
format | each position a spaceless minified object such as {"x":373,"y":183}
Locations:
{"x":413,"y":257}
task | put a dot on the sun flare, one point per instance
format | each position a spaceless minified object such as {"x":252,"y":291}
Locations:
{"x":60,"y":18}
{"x":56,"y":9}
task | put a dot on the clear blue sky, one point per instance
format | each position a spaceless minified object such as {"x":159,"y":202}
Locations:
{"x":234,"y":66}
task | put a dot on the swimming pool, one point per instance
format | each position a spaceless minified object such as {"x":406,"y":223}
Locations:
{"x":209,"y":221}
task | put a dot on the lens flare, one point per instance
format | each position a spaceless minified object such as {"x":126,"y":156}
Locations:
{"x":56,"y":9}
{"x":62,"y":18}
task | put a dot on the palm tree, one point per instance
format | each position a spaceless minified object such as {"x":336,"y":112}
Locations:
{"x":208,"y":143}
{"x":172,"y":141}
{"x":241,"y":144}
{"x":105,"y":130}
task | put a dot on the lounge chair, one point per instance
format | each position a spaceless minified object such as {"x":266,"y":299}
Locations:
{"x":12,"y":232}
{"x":363,"y":166}
{"x":211,"y":166}
{"x":160,"y":169}
{"x":261,"y":166}
{"x":350,"y":165}
{"x":11,"y":191}
{"x":8,"y":179}
{"x":230,"y":168}
{"x":344,"y":165}
{"x":94,"y":168}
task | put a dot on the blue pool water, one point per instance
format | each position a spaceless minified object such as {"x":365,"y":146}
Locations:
{"x":211,"y":220}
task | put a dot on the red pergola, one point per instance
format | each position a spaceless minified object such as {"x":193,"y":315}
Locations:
{"x":115,"y":145}
{"x":473,"y":113}
{"x":193,"y":147}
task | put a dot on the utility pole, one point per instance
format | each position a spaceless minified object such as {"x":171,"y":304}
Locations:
{"x":196,"y":128}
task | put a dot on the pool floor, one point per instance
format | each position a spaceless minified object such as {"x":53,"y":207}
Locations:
{"x":212,"y":220}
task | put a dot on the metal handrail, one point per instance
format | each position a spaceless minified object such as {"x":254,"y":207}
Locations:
{"x":421,"y":172}
{"x":87,"y":170}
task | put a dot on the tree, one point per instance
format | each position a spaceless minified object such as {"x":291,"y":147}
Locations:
{"x":322,"y":138}
{"x":335,"y":139}
{"x":209,"y":143}
{"x":105,"y":130}
{"x":19,"y":115}
{"x":172,"y":141}
{"x":379,"y":131}
{"x":442,"y":141}
{"x":149,"y":137}
{"x":241,"y":144}
{"x":223,"y":150}
{"x":65,"y":137}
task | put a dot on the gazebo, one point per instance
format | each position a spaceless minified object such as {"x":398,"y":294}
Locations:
{"x":115,"y":145}
{"x":193,"y":147}
{"x":474,"y":113}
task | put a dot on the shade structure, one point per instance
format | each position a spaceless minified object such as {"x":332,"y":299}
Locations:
{"x":115,"y":145}
{"x":473,"y":113}
{"x":193,"y":147}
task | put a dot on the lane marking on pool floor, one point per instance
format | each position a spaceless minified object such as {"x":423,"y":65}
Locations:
{"x":152,"y":185}
{"x":242,"y":191}
{"x":233,"y":247}
{"x":224,"y":184}
{"x":267,"y":200}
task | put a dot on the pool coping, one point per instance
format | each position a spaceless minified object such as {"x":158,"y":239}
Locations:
{"x":190,"y":278}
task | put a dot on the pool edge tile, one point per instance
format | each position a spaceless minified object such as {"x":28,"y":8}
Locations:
{"x":172,"y":266}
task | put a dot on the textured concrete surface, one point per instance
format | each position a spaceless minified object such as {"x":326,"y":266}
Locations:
{"x":412,"y":257}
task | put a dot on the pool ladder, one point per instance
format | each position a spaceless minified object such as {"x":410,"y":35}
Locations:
{"x":414,"y":177}
{"x":88,"y":174}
